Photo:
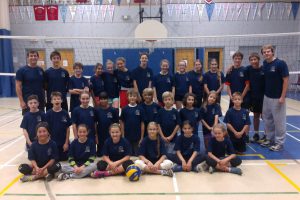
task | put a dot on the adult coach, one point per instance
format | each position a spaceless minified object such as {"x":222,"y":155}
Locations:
{"x":29,"y":81}
{"x":274,"y":106}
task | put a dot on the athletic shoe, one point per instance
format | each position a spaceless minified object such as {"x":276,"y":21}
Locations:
{"x":262,"y":140}
{"x":255,"y":138}
{"x":99,"y":174}
{"x":177,"y":168}
{"x":211,"y":170}
{"x":27,"y":178}
{"x":168,"y":172}
{"x":63,"y":176}
{"x":49,"y":177}
{"x":201,"y":167}
{"x":235,"y":170}
{"x":276,"y":147}
{"x":266,"y":143}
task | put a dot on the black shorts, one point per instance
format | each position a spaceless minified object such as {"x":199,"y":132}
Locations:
{"x":256,"y":105}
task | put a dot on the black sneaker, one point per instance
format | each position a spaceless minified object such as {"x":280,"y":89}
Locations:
{"x":255,"y":138}
{"x":247,"y":140}
{"x":262,"y":140}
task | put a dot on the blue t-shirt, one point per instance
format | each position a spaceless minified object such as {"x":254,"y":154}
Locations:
{"x":116,"y":151}
{"x":29,"y":122}
{"x":274,"y":73}
{"x":193,"y":116}
{"x":76,"y":83}
{"x":208,"y":115}
{"x":220,"y":149}
{"x":236,"y":79}
{"x":196,"y":80}
{"x":81,"y":152}
{"x":151,"y":112}
{"x":124,"y":79}
{"x":237,"y":118}
{"x":142,"y":77}
{"x":149,"y":148}
{"x":212,"y":81}
{"x":32,"y":79}
{"x":187,"y":145}
{"x":104,"y":118}
{"x":59,"y":122}
{"x":97,"y":84}
{"x":162,"y":83}
{"x":43,"y":153}
{"x":181,"y":83}
{"x":257,"y":82}
{"x":85,"y":116}
{"x":168,"y":120}
{"x":57,"y":80}
{"x":111,"y":85}
{"x":132,"y":118}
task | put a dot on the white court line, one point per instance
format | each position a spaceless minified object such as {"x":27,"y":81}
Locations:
{"x":12,"y":159}
{"x":10,"y":144}
{"x":175,"y":185}
{"x":8,"y":165}
{"x":290,"y":134}
{"x":265,"y":164}
{"x":4,"y":118}
{"x":11,"y":122}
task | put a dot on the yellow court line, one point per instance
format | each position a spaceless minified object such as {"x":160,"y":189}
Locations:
{"x":283,"y":175}
{"x":4,"y":190}
{"x":258,"y":155}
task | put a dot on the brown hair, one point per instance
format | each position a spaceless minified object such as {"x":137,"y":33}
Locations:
{"x":186,"y":96}
{"x":56,"y":94}
{"x":218,"y":72}
{"x":78,"y":64}
{"x":55,"y":53}
{"x":157,"y":138}
{"x":33,"y":96}
{"x":205,"y":103}
{"x":267,"y":46}
{"x":132,"y":91}
{"x":254,"y":54}
{"x":32,"y":52}
{"x":238,"y":54}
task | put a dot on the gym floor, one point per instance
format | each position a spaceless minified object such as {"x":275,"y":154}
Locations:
{"x":266,"y":175}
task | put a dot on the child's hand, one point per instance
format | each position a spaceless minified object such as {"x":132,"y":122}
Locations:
{"x":222,"y":163}
{"x":165,"y":139}
{"x":184,"y":166}
{"x":113,"y":166}
{"x":150,"y":165}
{"x":156,"y":166}
{"x":170,"y":138}
{"x":66,"y":147}
{"x":189,"y":166}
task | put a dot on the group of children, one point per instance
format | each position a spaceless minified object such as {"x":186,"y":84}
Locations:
{"x":164,"y":139}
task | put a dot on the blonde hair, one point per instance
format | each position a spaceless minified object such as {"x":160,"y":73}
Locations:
{"x":131,"y":92}
{"x":115,"y":125}
{"x":205,"y":103}
{"x":267,"y":46}
{"x":167,"y":94}
{"x":148,"y":91}
{"x":157,"y":138}
{"x":222,"y":127}
{"x":237,"y":94}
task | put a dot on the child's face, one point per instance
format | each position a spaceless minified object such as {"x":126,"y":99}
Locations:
{"x":254,"y":62}
{"x":82,"y":132}
{"x":198,"y":66}
{"x":213,"y":66}
{"x":187,"y":130}
{"x":56,"y":101}
{"x":56,"y":61}
{"x":237,"y":101}
{"x":190,"y":101}
{"x":144,"y":60}
{"x":219,"y":135}
{"x":152,"y":131}
{"x":148,"y":97}
{"x":115,"y":133}
{"x":237,"y":61}
{"x":120,"y":64}
{"x":168,"y":101}
{"x":33,"y":104}
{"x":78,"y":70}
{"x":103,"y":102}
{"x":85,"y":99}
{"x":42,"y":134}
{"x":109,"y":67}
{"x":99,"y":70}
{"x":268,"y":54}
{"x":164,"y":67}
{"x":132,"y":99}
{"x":32,"y":58}
{"x":181,"y":67}
{"x":212,"y":99}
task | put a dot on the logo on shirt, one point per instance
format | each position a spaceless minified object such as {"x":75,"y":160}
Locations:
{"x":92,"y":113}
{"x":148,"y":75}
{"x":64,"y":119}
{"x":213,"y":111}
{"x":41,"y":73}
{"x":272,"y":69}
{"x":87,"y":149}
{"x":38,"y":118}
{"x":196,"y":114}
{"x":241,"y":74}
{"x":244,"y":117}
{"x":127,"y":78}
{"x":262,"y":73}
{"x":115,"y":80}
{"x":191,"y":146}
{"x":49,"y":151}
{"x":137,"y":112}
{"x":168,"y":80}
{"x":154,"y":110}
{"x":63,"y":75}
{"x":109,"y":115}
{"x":187,"y":79}
{"x":200,"y":78}
{"x":121,"y":149}
{"x":174,"y":117}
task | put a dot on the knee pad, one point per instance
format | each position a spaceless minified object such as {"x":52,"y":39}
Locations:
{"x":102,"y":165}
{"x":127,"y":163}
{"x":167,"y":164}
{"x":140,"y":164}
{"x":25,"y":169}
{"x":54,"y":168}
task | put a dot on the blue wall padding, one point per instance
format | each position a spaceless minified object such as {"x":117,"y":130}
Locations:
{"x":7,"y":84}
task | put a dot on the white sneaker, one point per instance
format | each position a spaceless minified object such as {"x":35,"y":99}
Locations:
{"x":201,"y":167}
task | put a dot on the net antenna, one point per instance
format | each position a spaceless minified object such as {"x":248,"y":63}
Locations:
{"x":151,"y":31}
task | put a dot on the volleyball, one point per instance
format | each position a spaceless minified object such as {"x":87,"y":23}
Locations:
{"x":133,"y":172}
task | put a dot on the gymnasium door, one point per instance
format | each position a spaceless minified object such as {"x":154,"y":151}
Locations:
{"x":42,"y":57}
{"x":213,"y":53}
{"x":187,"y":54}
{"x":67,"y":59}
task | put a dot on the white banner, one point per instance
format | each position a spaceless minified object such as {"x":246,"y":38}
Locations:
{"x":96,"y":9}
{"x":239,"y":8}
{"x":288,"y":8}
{"x":170,"y":8}
{"x":219,"y":8}
{"x":260,"y":9}
{"x":269,"y":9}
{"x":255,"y":7}
{"x":73,"y":9}
{"x":226,"y":9}
{"x":88,"y":10}
{"x":103,"y":11}
{"x":200,"y":8}
{"x":247,"y":7}
{"x":111,"y":11}
{"x":29,"y":13}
